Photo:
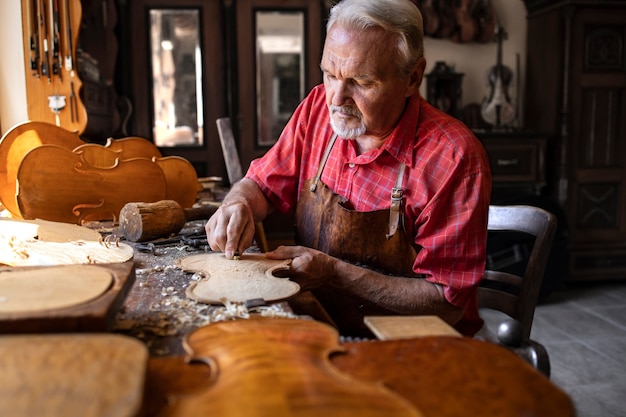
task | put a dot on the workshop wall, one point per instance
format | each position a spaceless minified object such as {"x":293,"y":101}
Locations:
{"x":473,"y":60}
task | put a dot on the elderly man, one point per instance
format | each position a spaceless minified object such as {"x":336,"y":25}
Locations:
{"x":391,"y":195}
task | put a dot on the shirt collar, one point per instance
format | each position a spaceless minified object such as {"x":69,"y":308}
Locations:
{"x":401,"y":141}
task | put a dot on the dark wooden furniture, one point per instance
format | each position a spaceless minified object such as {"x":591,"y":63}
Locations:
{"x":576,"y":95}
{"x":516,"y":294}
{"x":444,"y":89}
{"x":518,"y":163}
{"x":98,"y":45}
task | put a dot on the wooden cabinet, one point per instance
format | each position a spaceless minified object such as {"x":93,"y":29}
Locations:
{"x":517,"y":164}
{"x":576,"y":94}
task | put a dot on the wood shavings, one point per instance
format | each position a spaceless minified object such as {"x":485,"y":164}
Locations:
{"x":173,"y":316}
{"x":158,"y":312}
{"x":45,"y":243}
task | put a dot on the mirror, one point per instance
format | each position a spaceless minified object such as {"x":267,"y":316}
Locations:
{"x":175,"y":57}
{"x":279,"y":70}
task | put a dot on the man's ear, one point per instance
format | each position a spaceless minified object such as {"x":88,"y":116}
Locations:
{"x":416,"y":77}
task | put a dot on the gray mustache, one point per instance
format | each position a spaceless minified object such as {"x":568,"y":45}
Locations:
{"x":345,"y":109}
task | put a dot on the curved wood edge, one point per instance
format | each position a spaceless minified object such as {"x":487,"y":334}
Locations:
{"x":440,"y":375}
{"x":95,"y":315}
{"x":16,"y":143}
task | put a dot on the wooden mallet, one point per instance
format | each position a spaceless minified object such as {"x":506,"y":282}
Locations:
{"x":140,"y":222}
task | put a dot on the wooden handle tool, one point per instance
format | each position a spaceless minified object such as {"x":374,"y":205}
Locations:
{"x":140,"y":222}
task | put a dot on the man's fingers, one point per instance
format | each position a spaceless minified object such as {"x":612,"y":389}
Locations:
{"x":238,"y":238}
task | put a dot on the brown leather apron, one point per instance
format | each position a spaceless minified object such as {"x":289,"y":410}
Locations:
{"x":376,"y":240}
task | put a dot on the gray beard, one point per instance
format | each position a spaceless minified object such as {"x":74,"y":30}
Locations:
{"x":341,"y":129}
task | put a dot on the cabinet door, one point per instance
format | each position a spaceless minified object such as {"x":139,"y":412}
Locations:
{"x":597,"y":154}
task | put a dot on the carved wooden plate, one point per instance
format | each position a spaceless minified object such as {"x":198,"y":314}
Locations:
{"x":248,"y":278}
{"x":45,"y":243}
{"x":33,"y":290}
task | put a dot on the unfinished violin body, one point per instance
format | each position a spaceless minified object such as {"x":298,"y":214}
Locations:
{"x":70,"y":180}
{"x":279,"y":367}
{"x":16,"y":143}
{"x":54,"y":183}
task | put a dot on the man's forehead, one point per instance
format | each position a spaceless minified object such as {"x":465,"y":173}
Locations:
{"x":355,"y":52}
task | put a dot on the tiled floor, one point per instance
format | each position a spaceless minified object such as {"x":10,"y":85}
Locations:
{"x":583,"y":327}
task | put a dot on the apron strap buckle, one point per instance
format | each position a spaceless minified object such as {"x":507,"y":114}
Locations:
{"x":394,"y":211}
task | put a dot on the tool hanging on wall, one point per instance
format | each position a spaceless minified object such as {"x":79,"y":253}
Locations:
{"x":32,"y":38}
{"x":56,"y":65}
{"x":43,"y":38}
{"x":51,"y":28}
{"x":56,"y":104}
{"x":69,"y":52}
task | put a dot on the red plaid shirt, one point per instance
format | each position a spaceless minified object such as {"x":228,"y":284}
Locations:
{"x":447,"y":186}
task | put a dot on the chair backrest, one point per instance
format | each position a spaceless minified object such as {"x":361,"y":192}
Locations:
{"x":516,"y":296}
{"x":229,"y":149}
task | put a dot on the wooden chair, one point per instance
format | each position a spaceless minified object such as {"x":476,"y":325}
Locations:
{"x":516,"y":296}
{"x":234,"y":170}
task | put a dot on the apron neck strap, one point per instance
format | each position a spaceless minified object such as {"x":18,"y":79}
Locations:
{"x":397,"y":194}
{"x":318,"y":175}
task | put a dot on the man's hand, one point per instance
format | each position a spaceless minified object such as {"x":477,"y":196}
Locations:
{"x":231,"y":228}
{"x":405,"y":295}
{"x":309,"y":267}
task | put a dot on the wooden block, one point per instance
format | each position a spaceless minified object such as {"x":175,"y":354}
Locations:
{"x":91,"y":316}
{"x":406,"y":327}
{"x":71,"y":375}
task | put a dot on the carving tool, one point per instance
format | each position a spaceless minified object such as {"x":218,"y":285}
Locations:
{"x":54,"y":29}
{"x":32,"y":39}
{"x":73,"y":105}
{"x":41,"y":13}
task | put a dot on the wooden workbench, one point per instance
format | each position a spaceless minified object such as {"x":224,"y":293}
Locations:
{"x":438,"y":375}
{"x":157,"y":311}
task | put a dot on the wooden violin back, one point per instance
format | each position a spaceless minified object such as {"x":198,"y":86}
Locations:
{"x":279,"y":367}
{"x":48,"y":172}
{"x":16,"y":143}
{"x":54,"y":183}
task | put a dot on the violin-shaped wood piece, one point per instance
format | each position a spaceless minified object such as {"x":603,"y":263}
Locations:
{"x":430,"y":17}
{"x":447,"y":18}
{"x":497,"y":109}
{"x":250,"y":277}
{"x":484,"y":15}
{"x":16,"y":143}
{"x":125,"y":148}
{"x":22,"y":138}
{"x":279,"y":367}
{"x":466,"y":27}
{"x":181,"y":179}
{"x":72,"y":168}
{"x":54,"y":183}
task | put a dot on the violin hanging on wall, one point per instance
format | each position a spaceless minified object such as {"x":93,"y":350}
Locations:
{"x":52,"y":83}
{"x":497,"y":108}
